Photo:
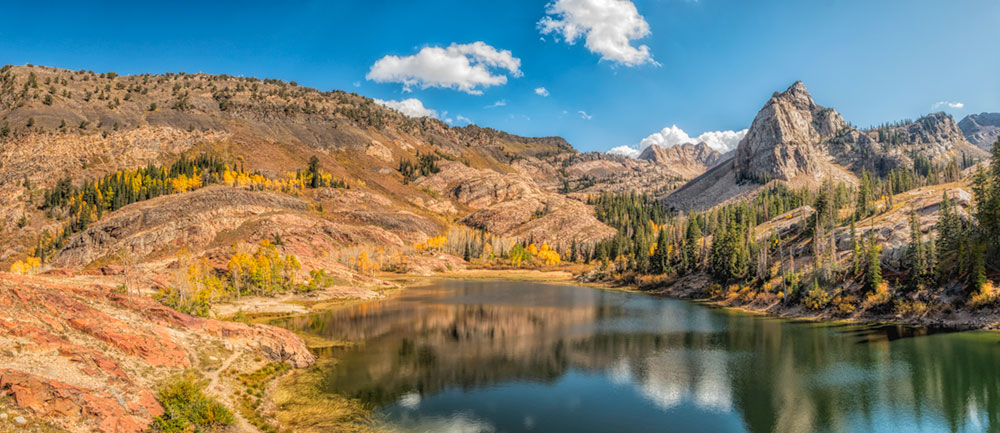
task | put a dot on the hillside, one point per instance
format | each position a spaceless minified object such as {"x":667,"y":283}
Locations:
{"x":80,"y":126}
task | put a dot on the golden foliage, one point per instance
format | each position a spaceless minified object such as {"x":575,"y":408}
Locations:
{"x":988,"y":295}
{"x":28,"y":266}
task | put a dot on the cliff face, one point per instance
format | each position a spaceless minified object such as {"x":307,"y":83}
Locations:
{"x":981,"y":129}
{"x":685,"y":161}
{"x":786,"y":138}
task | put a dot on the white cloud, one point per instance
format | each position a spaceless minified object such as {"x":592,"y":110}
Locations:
{"x":722,"y":141}
{"x":464,"y":67}
{"x":462,"y":118}
{"x":607,"y":27}
{"x":628,"y":151}
{"x":411,"y":107}
{"x":949,"y":104}
{"x":584,"y":115}
{"x":541,"y":91}
{"x":357,"y":84}
{"x":500,"y":103}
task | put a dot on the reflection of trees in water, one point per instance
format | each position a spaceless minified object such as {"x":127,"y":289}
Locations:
{"x":779,"y":376}
{"x":802,"y":378}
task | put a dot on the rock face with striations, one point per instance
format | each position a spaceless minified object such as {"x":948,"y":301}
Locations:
{"x":783,"y":141}
{"x":981,"y":129}
{"x":686,"y":161}
{"x":933,"y":128}
{"x":935,"y":136}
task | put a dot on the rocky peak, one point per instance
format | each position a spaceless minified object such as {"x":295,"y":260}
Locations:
{"x":784,"y":139}
{"x":932,"y":129}
{"x":981,"y":129}
{"x":687,"y":157}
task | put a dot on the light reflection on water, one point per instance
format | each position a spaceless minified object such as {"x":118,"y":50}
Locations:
{"x":514,"y":356}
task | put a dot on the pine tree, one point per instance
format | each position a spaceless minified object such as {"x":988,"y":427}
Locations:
{"x":977,"y":277}
{"x":660,"y":262}
{"x":865,"y":195}
{"x":857,"y":253}
{"x":987,"y":193}
{"x":947,"y":226}
{"x":915,"y":256}
{"x":691,"y":240}
{"x":873,"y":264}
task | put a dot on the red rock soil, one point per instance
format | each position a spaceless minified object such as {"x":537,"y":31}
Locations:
{"x":77,"y":356}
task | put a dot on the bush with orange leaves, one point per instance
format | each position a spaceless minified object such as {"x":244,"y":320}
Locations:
{"x":879,"y":300}
{"x":988,"y":296}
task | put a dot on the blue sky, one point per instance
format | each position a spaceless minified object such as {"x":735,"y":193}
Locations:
{"x":711,"y":64}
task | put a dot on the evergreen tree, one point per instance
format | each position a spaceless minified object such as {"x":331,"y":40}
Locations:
{"x":691,"y":240}
{"x":873,"y":264}
{"x":866,"y":195}
{"x":857,"y":253}
{"x":314,"y":178}
{"x":660,"y":261}
{"x":915,"y":256}
{"x":977,"y":277}
{"x":987,"y":193}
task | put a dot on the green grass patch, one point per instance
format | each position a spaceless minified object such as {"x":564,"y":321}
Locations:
{"x":251,"y":396}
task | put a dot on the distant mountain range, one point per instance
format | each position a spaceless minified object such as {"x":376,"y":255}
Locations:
{"x":981,"y":129}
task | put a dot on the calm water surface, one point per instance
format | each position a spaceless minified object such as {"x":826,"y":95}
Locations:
{"x":461,"y":356}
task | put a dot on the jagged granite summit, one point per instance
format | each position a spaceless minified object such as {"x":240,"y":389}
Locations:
{"x":782,"y":141}
{"x":795,"y":141}
{"x":686,"y":160}
{"x":981,"y":129}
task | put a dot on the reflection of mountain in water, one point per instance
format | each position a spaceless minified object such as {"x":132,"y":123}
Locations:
{"x":777,"y":375}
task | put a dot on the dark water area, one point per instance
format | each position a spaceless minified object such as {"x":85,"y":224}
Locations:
{"x":505,"y":356}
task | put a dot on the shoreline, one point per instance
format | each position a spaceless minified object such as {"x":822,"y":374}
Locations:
{"x":300,"y":398}
{"x":292,"y":306}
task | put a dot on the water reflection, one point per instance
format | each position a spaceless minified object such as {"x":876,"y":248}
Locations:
{"x":513,"y":356}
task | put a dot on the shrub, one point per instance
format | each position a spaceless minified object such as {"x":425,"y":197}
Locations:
{"x":878,"y":299}
{"x":911,"y":308}
{"x":816,"y":298}
{"x":187,"y":408}
{"x":196,"y":304}
{"x":987,"y":296}
{"x":318,"y":280}
{"x":845,"y":305}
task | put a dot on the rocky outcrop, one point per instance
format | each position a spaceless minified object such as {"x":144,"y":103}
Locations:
{"x":981,"y":129}
{"x":515,"y":206}
{"x":789,"y":141}
{"x":191,"y":220}
{"x":785,"y":138}
{"x":686,"y":161}
{"x":935,"y":136}
{"x":84,"y":358}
